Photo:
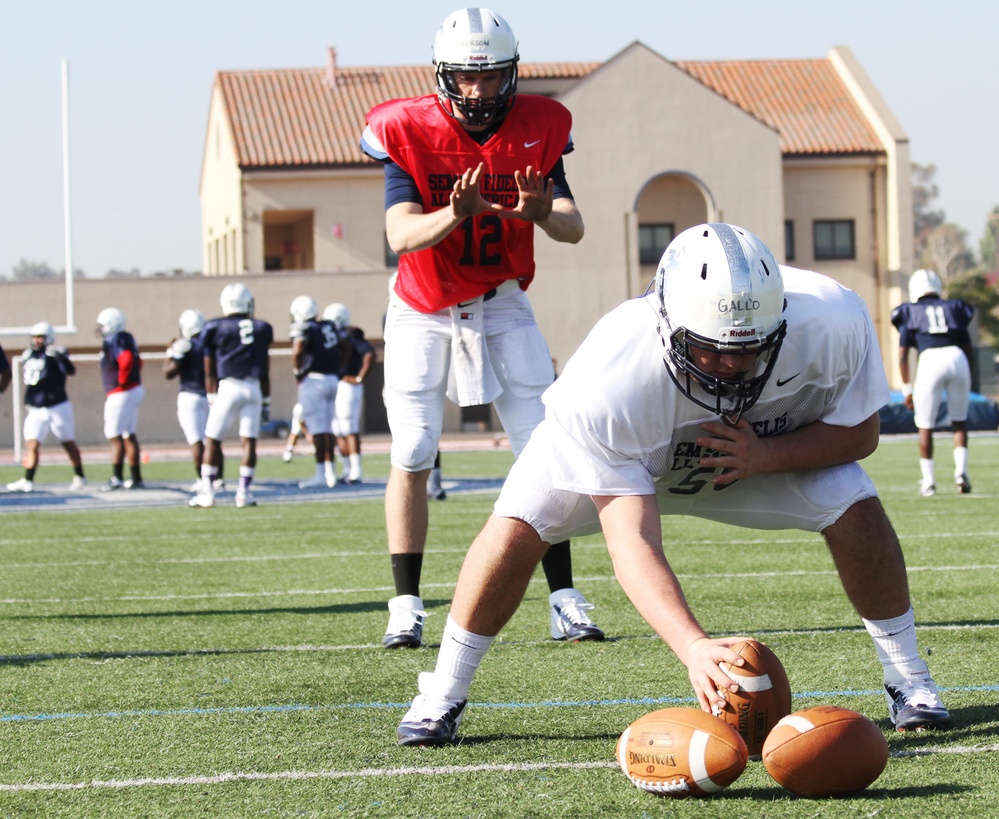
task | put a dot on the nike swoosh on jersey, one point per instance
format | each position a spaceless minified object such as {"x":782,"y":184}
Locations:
{"x":466,"y":303}
{"x":782,"y":383}
{"x":531,"y":144}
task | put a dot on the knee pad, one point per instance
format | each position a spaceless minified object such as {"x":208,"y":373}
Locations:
{"x":414,"y":449}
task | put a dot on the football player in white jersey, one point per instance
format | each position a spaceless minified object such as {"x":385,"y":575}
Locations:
{"x":736,"y":391}
{"x":937,"y":328}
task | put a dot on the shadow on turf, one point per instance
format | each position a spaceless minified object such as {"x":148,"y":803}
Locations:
{"x":345,"y":608}
{"x":777,"y":793}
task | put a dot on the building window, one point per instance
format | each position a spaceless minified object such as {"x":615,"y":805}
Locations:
{"x":652,"y":241}
{"x":789,"y":240}
{"x":834,"y":239}
{"x":391,"y":257}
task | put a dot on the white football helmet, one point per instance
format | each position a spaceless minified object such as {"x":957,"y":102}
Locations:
{"x":44,"y":330}
{"x":304,"y":308}
{"x":720,"y":289}
{"x":922,"y":283}
{"x":191,"y":323}
{"x":110,"y":321}
{"x":339,"y":314}
{"x":236,"y":299}
{"x":475,"y":39}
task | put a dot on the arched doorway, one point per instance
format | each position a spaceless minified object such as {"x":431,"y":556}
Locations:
{"x":667,"y":204}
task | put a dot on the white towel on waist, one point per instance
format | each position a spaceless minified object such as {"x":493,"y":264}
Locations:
{"x":471,"y":380}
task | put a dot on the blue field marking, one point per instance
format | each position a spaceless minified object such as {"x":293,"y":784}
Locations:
{"x":379,"y":706}
{"x":58,"y":497}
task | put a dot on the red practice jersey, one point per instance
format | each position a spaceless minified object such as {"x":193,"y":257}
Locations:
{"x":433,"y":148}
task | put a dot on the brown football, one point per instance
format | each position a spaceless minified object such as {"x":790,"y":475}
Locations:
{"x":825,"y":751}
{"x":763,"y":698}
{"x":681,"y":752}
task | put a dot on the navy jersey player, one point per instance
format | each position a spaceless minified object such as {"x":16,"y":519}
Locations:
{"x":736,"y":390}
{"x":472,"y":173}
{"x":185,"y":361}
{"x":318,"y":351}
{"x":5,"y":374}
{"x":44,"y":368}
{"x":350,"y":394}
{"x":937,"y":329}
{"x":121,"y":372}
{"x":238,"y":383}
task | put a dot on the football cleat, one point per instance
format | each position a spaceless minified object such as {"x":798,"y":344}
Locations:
{"x":195,"y":487}
{"x":963,"y":484}
{"x":202,"y":500}
{"x":433,"y":718}
{"x":914,"y":705}
{"x":21,"y":485}
{"x":569,"y":619}
{"x":78,"y":483}
{"x":331,"y":480}
{"x":218,"y":485}
{"x":927,"y":490}
{"x":405,"y":626}
{"x":112,"y":484}
{"x":244,"y":498}
{"x":134,"y":484}
{"x":315,"y":482}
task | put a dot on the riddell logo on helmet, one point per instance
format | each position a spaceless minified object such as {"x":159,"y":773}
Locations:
{"x":737,"y":332}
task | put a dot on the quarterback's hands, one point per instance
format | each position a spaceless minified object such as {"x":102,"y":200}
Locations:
{"x":466,"y":197}
{"x":702,"y":661}
{"x":740,"y":451}
{"x":909,"y":405}
{"x":536,"y":195}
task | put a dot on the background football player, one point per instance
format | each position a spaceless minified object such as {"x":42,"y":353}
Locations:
{"x":937,"y":329}
{"x":121,"y":372}
{"x":238,"y":384}
{"x":44,"y":368}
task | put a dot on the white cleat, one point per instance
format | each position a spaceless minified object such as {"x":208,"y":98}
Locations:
{"x":202,"y":500}
{"x":21,"y":485}
{"x":315,"y":482}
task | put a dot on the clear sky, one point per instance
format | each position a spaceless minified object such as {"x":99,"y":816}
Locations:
{"x":141,"y":73}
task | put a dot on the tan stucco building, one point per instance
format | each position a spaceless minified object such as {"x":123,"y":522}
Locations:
{"x":803,"y":152}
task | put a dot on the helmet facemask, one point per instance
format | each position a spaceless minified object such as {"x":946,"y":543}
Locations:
{"x":476,"y":111}
{"x":720,"y":291}
{"x":728,"y":397}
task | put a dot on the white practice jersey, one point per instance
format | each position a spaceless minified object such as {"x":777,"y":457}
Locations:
{"x":620,"y":426}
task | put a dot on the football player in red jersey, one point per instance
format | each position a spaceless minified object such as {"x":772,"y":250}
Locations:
{"x":469,"y":172}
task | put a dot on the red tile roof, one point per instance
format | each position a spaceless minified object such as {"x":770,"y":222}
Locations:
{"x":291,"y":118}
{"x":805,"y":101}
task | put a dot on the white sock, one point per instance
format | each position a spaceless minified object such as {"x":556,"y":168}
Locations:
{"x":208,"y":473}
{"x":895,"y":643}
{"x":960,"y":461}
{"x":459,"y":656}
{"x":926,"y":468}
{"x":355,"y":464}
